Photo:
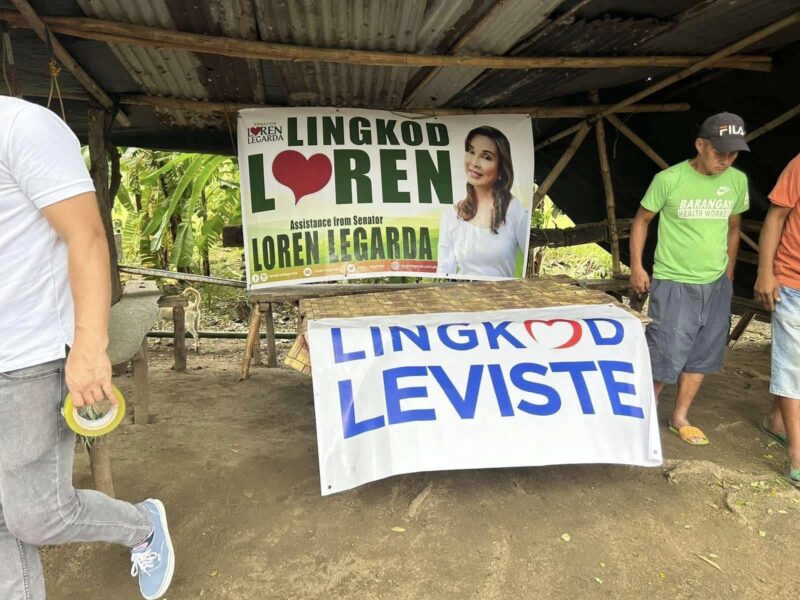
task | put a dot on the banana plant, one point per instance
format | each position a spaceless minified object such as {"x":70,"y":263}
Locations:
{"x":173,"y":206}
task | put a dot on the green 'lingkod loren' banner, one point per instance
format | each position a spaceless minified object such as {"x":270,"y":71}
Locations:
{"x":329,"y":194}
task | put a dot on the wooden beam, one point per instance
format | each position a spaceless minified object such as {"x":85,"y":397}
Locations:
{"x":637,"y":141}
{"x":537,"y":112}
{"x":548,"y":182}
{"x":585,"y":233}
{"x":715,"y":60}
{"x":28,"y":17}
{"x":605,"y":172}
{"x":155,"y":37}
{"x":779,"y":120}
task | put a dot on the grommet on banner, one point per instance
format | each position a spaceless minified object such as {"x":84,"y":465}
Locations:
{"x":94,"y":427}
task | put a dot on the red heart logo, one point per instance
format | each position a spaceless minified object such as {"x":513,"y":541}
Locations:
{"x":301,"y":175}
{"x":255,"y":131}
{"x":576,"y":330}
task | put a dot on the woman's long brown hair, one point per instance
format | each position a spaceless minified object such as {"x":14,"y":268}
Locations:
{"x":501,"y":190}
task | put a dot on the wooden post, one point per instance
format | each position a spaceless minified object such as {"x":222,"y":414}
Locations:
{"x":548,"y":182}
{"x":100,"y":462}
{"x":272,"y":353}
{"x":740,"y":327}
{"x":179,"y":344}
{"x":605,"y":171}
{"x":99,"y":122}
{"x":141,"y":386}
{"x":252,"y":335}
{"x":257,"y":346}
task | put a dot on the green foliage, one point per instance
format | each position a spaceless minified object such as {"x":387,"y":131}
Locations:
{"x":171,"y":207}
{"x":587,"y":261}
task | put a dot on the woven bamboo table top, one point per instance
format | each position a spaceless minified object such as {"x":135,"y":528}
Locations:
{"x":540,"y":292}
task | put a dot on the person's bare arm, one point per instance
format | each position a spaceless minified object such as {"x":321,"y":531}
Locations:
{"x":640,"y":280}
{"x":734,"y":222}
{"x":767,"y":289}
{"x":88,"y":369}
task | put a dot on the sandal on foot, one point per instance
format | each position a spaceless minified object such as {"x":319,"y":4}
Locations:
{"x":793,"y":475}
{"x":687,"y":432}
{"x":778,"y":437}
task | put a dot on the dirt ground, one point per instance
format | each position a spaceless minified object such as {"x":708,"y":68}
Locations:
{"x":236,"y":465}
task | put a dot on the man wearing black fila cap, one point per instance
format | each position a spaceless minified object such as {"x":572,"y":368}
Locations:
{"x":700,"y":202}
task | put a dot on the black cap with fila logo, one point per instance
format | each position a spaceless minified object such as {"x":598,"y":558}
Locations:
{"x":726,"y":132}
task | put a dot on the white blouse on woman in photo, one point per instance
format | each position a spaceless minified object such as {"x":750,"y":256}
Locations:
{"x":468,"y":250}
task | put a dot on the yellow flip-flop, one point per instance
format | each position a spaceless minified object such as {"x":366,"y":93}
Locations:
{"x":687,"y":432}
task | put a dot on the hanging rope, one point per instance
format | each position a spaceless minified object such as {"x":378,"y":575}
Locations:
{"x":54,"y":72}
{"x":9,"y":67}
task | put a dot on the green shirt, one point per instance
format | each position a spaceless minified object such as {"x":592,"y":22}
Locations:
{"x":693,"y":225}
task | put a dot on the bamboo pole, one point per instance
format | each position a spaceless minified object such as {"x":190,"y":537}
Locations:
{"x":155,"y":37}
{"x":779,"y":120}
{"x":548,"y":182}
{"x":714,"y":60}
{"x":605,"y":171}
{"x":536,"y":112}
{"x":28,"y":17}
{"x":637,"y":141}
{"x":252,"y":335}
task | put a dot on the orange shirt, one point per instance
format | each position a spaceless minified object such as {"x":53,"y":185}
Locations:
{"x":786,"y":193}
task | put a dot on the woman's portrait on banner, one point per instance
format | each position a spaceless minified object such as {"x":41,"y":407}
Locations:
{"x":485,"y":233}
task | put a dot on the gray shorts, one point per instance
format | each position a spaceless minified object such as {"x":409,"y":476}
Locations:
{"x":690,"y":327}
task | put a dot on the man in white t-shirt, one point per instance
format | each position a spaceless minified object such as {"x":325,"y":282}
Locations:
{"x":55,"y":296}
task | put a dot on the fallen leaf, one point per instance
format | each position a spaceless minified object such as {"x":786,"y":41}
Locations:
{"x":687,"y":526}
{"x":602,"y":565}
{"x":213,"y":573}
{"x":783,"y":512}
{"x":399,"y":529}
{"x":767,"y":456}
{"x":598,"y":580}
{"x":713,"y":556}
{"x":662,"y":575}
{"x":762,"y":533}
{"x":769,"y":511}
{"x":566,"y":537}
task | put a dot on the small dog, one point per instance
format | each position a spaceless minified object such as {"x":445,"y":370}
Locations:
{"x":191,"y":316}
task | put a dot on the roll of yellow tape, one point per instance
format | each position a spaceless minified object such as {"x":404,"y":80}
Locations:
{"x":94,"y":427}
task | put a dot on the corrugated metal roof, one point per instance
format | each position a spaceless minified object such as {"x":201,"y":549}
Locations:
{"x":606,"y":37}
{"x":391,"y":25}
{"x":720,"y":24}
{"x":497,"y":35}
{"x":185,"y":74}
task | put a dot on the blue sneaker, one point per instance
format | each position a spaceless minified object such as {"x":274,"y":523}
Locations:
{"x":154,"y":563}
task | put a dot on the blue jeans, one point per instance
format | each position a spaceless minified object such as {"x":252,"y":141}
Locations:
{"x":38,"y":504}
{"x":785,"y":378}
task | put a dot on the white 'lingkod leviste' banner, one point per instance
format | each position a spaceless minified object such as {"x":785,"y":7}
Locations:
{"x":332,"y":193}
{"x":507,"y":388}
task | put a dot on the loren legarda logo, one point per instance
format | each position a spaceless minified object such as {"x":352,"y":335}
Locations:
{"x":267,"y":131}
{"x":540,"y":368}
